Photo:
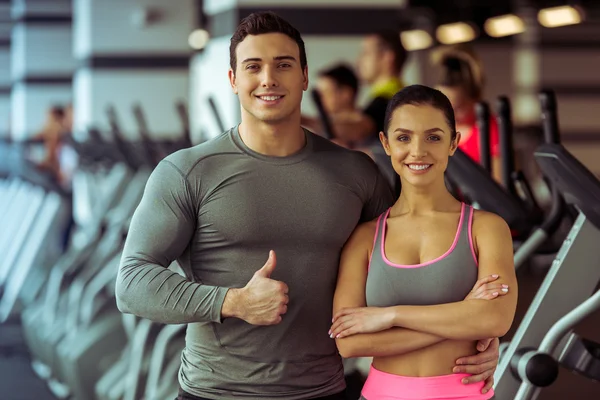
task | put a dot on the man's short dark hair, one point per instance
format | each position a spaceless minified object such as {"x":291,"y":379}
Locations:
{"x":390,"y":40}
{"x":342,"y":75}
{"x":261,"y":23}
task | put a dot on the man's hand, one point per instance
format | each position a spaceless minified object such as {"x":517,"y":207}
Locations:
{"x":481,"y":366}
{"x":262,"y":301}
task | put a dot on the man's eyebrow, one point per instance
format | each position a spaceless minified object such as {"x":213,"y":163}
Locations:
{"x":247,"y":60}
{"x":278,"y":58}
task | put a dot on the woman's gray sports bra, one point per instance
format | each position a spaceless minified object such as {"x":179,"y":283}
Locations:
{"x":447,"y":279}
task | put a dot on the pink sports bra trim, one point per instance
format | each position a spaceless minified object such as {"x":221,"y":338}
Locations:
{"x":374,"y":241}
{"x":456,"y":237}
{"x":471,"y":237}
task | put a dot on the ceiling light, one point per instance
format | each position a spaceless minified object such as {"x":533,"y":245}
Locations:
{"x":504,"y":25}
{"x":458,"y":32}
{"x":198,"y":39}
{"x":559,"y":16}
{"x":416,"y":39}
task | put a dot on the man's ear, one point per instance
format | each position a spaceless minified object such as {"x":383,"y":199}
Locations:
{"x":231,"y":75}
{"x":305,"y":80}
{"x":385,"y":143}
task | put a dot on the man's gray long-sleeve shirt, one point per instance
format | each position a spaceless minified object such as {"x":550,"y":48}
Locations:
{"x":218,"y":208}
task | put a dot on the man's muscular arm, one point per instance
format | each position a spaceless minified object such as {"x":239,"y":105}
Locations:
{"x":161,"y":228}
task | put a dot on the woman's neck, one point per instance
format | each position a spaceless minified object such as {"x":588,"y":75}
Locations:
{"x":421,"y":200}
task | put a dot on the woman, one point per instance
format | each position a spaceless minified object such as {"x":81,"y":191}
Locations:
{"x":460,"y":78}
{"x":430,"y":264}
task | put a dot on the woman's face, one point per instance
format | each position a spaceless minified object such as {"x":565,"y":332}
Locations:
{"x":419,"y":142}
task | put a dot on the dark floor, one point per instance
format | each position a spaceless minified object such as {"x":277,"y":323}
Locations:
{"x":17,"y":379}
{"x":19,"y":382}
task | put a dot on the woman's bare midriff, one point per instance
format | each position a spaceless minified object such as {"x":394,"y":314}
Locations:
{"x":435,"y":360}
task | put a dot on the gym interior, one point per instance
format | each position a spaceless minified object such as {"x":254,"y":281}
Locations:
{"x":95,"y":93}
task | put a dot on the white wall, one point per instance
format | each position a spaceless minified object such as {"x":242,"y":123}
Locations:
{"x":209,"y":79}
{"x":53,"y":7}
{"x":156,"y":91}
{"x":18,"y":55}
{"x":5,"y":79}
{"x":108,"y":26}
{"x":4,"y":115}
{"x":42,"y":50}
{"x":214,"y":6}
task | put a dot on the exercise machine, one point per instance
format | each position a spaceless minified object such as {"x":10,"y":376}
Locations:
{"x":544,"y":339}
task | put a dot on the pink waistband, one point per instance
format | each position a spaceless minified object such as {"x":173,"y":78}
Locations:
{"x":384,"y":386}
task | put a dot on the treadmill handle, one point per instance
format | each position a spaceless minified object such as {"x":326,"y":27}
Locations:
{"x":557,"y":212}
{"x":482,"y":110}
{"x":523,"y":190}
{"x":327,"y":128}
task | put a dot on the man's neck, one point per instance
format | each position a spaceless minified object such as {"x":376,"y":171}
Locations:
{"x":279,"y":139}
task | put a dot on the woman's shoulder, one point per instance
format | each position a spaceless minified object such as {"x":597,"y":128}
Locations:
{"x":486,"y":221}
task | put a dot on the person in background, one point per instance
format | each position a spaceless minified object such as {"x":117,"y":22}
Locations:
{"x":338,"y":88}
{"x":460,"y":78}
{"x":51,"y":136}
{"x":379,"y":66}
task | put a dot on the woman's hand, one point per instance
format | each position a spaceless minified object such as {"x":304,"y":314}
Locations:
{"x":486,"y":289}
{"x":350,"y":321}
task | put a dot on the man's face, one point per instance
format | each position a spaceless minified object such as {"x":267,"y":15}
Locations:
{"x":268,"y":79}
{"x":335,"y":97}
{"x":369,"y":60}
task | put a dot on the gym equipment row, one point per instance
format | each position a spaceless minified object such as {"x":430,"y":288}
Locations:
{"x":569,"y":293}
{"x":78,"y":340}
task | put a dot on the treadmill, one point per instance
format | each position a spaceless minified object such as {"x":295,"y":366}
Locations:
{"x":569,"y":293}
{"x":512,"y":200}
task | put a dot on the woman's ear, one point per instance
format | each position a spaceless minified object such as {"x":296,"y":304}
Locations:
{"x":454,"y":144}
{"x":385,"y":143}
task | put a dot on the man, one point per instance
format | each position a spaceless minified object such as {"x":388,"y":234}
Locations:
{"x":380,"y":63}
{"x":337,"y":87}
{"x":267,"y":187}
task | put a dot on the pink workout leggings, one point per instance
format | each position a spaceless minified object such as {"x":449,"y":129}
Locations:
{"x":383,"y":386}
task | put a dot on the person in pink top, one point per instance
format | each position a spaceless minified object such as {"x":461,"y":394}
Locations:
{"x":460,"y":78}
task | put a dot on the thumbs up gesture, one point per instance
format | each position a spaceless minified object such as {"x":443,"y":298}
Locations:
{"x":264,"y":300}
